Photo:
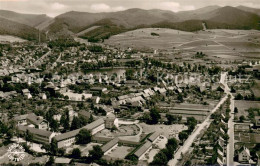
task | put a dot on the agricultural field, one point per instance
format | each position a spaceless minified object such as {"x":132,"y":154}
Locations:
{"x":217,"y":44}
{"x":7,"y":38}
{"x":256,"y":89}
{"x":243,"y":105}
{"x":247,"y":137}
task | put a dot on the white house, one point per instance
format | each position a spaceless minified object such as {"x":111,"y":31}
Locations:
{"x":244,"y":155}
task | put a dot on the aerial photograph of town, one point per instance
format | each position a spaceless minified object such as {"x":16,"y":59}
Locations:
{"x":130,"y":82}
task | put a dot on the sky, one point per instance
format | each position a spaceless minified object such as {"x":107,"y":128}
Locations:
{"x":55,"y":7}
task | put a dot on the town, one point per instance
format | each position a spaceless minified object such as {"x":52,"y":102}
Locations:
{"x":149,"y":96}
{"x":92,"y":103}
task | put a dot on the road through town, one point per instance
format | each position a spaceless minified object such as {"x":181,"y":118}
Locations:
{"x":205,"y":124}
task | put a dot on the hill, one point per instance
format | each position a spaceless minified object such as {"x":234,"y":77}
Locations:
{"x":198,"y":14}
{"x":8,"y":27}
{"x":28,"y":19}
{"x":78,"y":21}
{"x":232,"y":18}
{"x":111,"y":23}
{"x":248,"y":9}
{"x":116,"y":22}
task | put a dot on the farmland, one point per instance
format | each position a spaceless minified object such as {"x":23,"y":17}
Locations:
{"x":224,"y":44}
{"x":10,"y":39}
{"x":243,"y":105}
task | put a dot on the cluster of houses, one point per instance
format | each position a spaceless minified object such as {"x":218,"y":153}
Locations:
{"x":209,"y":146}
{"x":137,"y":99}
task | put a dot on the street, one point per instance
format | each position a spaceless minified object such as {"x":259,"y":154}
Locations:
{"x":187,"y":144}
{"x":230,"y":145}
{"x":205,"y":124}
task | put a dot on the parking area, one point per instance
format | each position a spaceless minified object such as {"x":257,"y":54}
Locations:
{"x":161,"y":142}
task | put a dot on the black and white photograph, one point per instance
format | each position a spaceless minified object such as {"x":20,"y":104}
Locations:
{"x":129,"y":82}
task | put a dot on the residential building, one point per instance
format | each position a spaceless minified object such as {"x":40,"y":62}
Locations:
{"x":37,"y":121}
{"x":244,"y":155}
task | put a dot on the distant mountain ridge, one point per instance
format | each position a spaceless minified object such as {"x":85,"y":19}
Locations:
{"x":111,"y":23}
{"x":27,"y":19}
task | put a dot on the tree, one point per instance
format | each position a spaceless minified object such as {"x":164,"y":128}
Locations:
{"x":75,"y":124}
{"x":53,"y":146}
{"x":242,"y":118}
{"x":76,"y":153}
{"x":191,"y":122}
{"x":180,"y":97}
{"x":159,"y":159}
{"x":170,"y":118}
{"x":50,"y":161}
{"x":54,"y":125}
{"x":96,"y":153}
{"x":28,"y":136}
{"x":64,"y":121}
{"x":235,"y":110}
{"x":83,"y":137}
{"x":155,"y":116}
{"x":239,"y":97}
{"x":172,"y":144}
{"x":183,"y":136}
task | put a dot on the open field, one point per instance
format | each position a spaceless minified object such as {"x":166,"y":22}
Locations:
{"x":256,"y":88}
{"x":7,"y":38}
{"x":247,"y":137}
{"x":243,"y":105}
{"x":218,"y":44}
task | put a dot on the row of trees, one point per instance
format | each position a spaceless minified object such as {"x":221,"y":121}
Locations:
{"x":191,"y":123}
{"x":165,"y":154}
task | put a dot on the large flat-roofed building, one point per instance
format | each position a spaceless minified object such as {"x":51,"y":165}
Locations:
{"x":69,"y":138}
{"x":41,"y":136}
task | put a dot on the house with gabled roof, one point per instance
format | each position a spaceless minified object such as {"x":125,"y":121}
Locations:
{"x":244,"y":155}
{"x":37,"y":121}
